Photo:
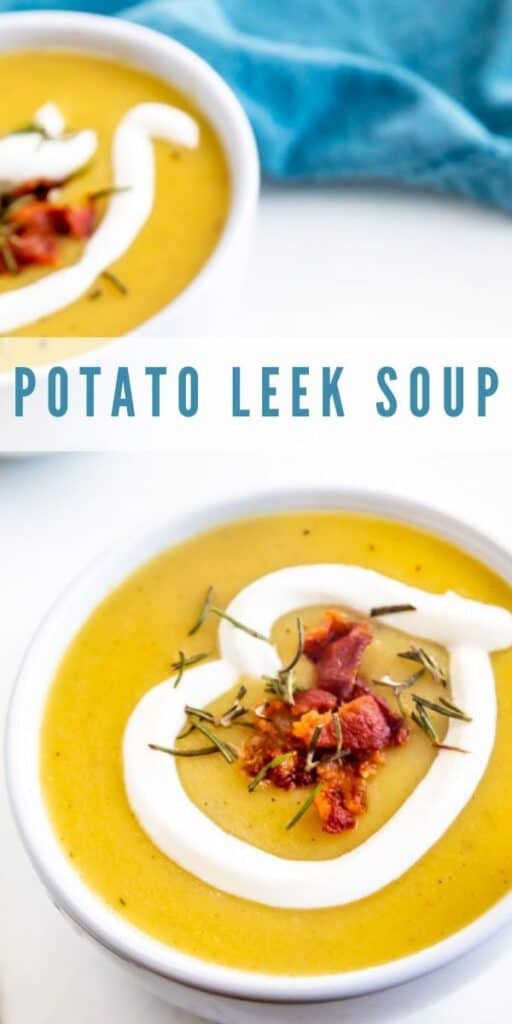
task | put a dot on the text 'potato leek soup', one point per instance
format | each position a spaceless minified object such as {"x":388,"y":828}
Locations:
{"x":281,"y":745}
{"x":114,"y":191}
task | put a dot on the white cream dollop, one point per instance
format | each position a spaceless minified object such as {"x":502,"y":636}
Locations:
{"x":469,"y":629}
{"x":27,"y":156}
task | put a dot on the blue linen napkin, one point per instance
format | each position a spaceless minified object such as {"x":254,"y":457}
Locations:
{"x":392,"y":90}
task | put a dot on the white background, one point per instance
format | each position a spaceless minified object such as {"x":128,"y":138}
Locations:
{"x":56,"y":513}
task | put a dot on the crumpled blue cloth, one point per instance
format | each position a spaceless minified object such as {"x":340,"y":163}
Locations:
{"x":410,"y":91}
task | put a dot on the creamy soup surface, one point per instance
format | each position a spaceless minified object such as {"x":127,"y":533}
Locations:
{"x":127,"y":646}
{"x":191,"y":197}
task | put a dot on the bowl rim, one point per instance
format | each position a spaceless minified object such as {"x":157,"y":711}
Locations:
{"x":74,"y":897}
{"x":244,"y":171}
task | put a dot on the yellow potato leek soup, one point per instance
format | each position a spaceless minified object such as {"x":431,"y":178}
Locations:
{"x":304,"y":742}
{"x":80,"y":215}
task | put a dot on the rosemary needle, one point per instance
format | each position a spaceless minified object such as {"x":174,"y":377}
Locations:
{"x":227,"y":751}
{"x":305,"y":806}
{"x":205,"y":608}
{"x":263,"y":772}
{"x":391,"y":609}
{"x":116,"y":281}
{"x":195,"y":752}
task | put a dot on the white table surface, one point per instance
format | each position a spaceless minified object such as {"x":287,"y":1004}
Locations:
{"x":363,"y":262}
{"x":56,"y":513}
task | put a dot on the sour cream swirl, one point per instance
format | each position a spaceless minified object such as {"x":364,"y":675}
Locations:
{"x":469,"y":630}
{"x":26,"y":156}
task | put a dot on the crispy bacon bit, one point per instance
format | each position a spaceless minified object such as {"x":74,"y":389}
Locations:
{"x":47,"y":219}
{"x":34,"y":227}
{"x":313,"y":700}
{"x":337,"y":647}
{"x":397,"y":724}
{"x":41,"y":250}
{"x":337,"y":730}
{"x":334,"y":815}
{"x":364,"y":725}
{"x":318,"y":638}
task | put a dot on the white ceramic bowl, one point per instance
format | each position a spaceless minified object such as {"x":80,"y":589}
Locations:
{"x":219,"y":993}
{"x":204,"y":306}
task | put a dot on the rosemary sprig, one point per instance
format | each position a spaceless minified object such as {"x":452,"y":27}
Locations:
{"x":201,"y":713}
{"x":239,"y":625}
{"x":339,"y":753}
{"x":445,"y":708}
{"x":419,"y":654}
{"x":312,"y":745}
{"x":109,"y":190}
{"x":263,"y":772}
{"x":181,"y":665}
{"x":116,"y":281}
{"x":229,"y":717}
{"x":283,"y":687}
{"x":449,"y":746}
{"x":398,"y":688}
{"x":193,"y":659}
{"x":197,"y":752}
{"x":391,"y":609}
{"x":422,"y":719}
{"x":208,"y":607}
{"x":228,"y":752}
{"x":305,"y":806}
{"x":203,"y":614}
{"x":298,"y":653}
{"x":235,"y":711}
{"x":454,"y":708}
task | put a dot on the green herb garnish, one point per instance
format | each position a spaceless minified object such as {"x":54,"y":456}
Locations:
{"x":196,"y":752}
{"x":429,"y":663}
{"x":263,"y":772}
{"x":305,"y":806}
{"x":228,"y":752}
{"x":203,"y":614}
{"x":298,"y":653}
{"x":311,"y":751}
{"x":391,"y":609}
{"x":193,"y":659}
{"x":283,"y":685}
{"x":110,"y":190}
{"x":208,"y":607}
{"x":444,"y":707}
{"x":116,"y":281}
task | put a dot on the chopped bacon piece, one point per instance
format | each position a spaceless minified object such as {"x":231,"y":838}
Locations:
{"x":47,"y":218}
{"x":364,"y":724}
{"x":313,"y":700}
{"x":334,"y":815}
{"x":28,"y":249}
{"x":303,"y":729}
{"x":397,"y":724}
{"x":80,"y":220}
{"x":342,"y":798}
{"x":337,"y":647}
{"x":318,"y":638}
